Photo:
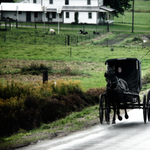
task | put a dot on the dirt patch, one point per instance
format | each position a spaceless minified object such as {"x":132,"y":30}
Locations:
{"x":116,"y":41}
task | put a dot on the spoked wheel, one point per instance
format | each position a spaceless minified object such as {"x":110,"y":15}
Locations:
{"x":144,"y":108}
{"x":101,"y":111}
{"x":148,"y":105}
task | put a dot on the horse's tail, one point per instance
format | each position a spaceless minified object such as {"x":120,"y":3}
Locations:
{"x":123,"y":85}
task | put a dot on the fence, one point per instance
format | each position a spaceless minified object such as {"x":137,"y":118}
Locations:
{"x":45,"y":38}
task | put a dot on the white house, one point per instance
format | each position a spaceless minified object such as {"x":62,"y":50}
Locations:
{"x":89,"y":11}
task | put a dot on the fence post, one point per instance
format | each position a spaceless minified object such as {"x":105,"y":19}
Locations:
{"x":107,"y":27}
{"x":35,"y":24}
{"x":68,"y":40}
{"x":16,"y":23}
{"x":45,"y":76}
{"x":9,"y":25}
{"x":5,"y":24}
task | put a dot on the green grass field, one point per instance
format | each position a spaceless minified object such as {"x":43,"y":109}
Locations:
{"x":81,"y":53}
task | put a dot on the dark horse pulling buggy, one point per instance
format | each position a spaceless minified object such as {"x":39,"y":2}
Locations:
{"x":124,"y":83}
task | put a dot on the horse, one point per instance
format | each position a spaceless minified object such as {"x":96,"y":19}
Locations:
{"x":114,"y":90}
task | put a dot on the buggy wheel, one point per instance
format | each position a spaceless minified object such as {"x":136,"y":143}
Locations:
{"x":148,"y":105}
{"x":144,"y":108}
{"x":101,"y":111}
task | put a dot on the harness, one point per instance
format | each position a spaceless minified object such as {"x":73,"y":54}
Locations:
{"x":119,"y":85}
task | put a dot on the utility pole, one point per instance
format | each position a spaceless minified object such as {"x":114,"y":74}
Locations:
{"x":132,"y":16}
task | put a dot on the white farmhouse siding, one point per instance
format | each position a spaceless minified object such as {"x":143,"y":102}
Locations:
{"x":46,"y":10}
{"x":83,"y":3}
{"x":20,"y":11}
{"x":84,"y":17}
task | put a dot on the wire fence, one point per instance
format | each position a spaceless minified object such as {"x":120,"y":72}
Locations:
{"x":46,"y":38}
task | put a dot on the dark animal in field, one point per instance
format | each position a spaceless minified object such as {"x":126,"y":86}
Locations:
{"x":114,"y":90}
{"x":82,"y":32}
{"x":11,"y":19}
{"x":96,"y":32}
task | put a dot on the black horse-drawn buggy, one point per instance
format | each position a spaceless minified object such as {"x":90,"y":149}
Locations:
{"x":124,"y":83}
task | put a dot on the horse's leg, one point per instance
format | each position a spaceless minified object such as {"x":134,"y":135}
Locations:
{"x":118,"y":111}
{"x":125,"y":106}
{"x":114,"y":117}
{"x":108,"y":113}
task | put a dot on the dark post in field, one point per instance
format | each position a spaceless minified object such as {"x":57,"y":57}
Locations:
{"x":107,"y":27}
{"x":35,"y":24}
{"x":5,"y":24}
{"x":68,"y":40}
{"x":45,"y":76}
{"x":16,"y":23}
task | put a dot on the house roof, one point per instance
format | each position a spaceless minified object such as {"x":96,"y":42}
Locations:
{"x":37,"y":8}
{"x":20,"y":7}
{"x":107,"y":8}
{"x":83,"y":8}
{"x":51,"y":10}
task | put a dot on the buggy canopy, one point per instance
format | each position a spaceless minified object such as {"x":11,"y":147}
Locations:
{"x":128,"y":69}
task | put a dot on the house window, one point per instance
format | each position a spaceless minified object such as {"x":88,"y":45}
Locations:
{"x":34,"y":1}
{"x":35,"y":15}
{"x":67,"y":14}
{"x":51,"y":1}
{"x":88,"y":2}
{"x":66,"y":2}
{"x":53,"y":14}
{"x":90,"y":15}
{"x":20,"y":12}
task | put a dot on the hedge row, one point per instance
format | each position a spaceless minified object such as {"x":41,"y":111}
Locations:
{"x":28,"y":106}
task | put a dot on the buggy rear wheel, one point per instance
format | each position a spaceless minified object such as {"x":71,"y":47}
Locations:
{"x":101,"y":111}
{"x":148,"y":105}
{"x":144,"y":109}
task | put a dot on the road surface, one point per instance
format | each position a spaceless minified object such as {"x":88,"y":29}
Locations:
{"x":131,"y":134}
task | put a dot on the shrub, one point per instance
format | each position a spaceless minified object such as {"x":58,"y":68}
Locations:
{"x":146,"y":78}
{"x":28,"y":106}
{"x":35,"y":69}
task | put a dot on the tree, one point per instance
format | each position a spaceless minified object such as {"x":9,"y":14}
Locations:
{"x":119,"y":5}
{"x":5,"y":1}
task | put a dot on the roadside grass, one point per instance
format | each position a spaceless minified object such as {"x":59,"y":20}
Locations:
{"x":75,"y":121}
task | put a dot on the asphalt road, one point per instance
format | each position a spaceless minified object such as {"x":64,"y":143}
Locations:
{"x":131,"y":134}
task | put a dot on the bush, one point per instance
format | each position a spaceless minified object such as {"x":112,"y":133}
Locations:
{"x":35,"y":69}
{"x":146,"y":78}
{"x":28,"y":106}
